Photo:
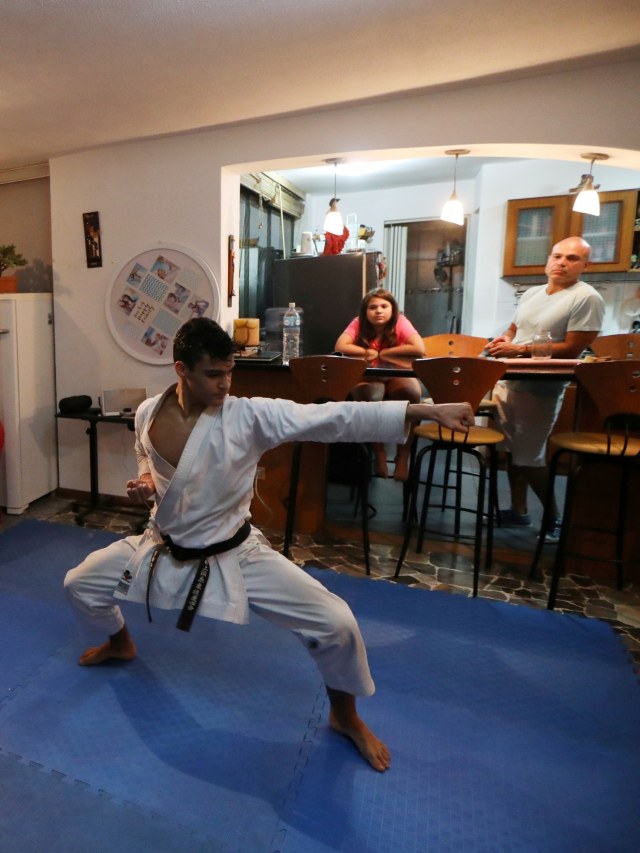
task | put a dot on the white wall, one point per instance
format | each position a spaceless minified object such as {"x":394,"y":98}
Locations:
{"x":377,"y":207}
{"x":184,"y":190}
{"x":146,"y":194}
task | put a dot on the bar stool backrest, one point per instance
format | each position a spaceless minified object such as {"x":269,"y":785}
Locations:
{"x":458,"y":380}
{"x":614,"y":387}
{"x":453,"y":345}
{"x":319,"y":378}
{"x":617,"y":346}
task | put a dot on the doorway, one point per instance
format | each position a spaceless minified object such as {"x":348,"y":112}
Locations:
{"x":433,"y":268}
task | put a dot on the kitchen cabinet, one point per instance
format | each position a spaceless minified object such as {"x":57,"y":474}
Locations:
{"x":534,"y":225}
{"x":611,"y":234}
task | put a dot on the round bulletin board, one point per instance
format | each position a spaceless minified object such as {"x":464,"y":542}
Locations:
{"x":153,"y":295}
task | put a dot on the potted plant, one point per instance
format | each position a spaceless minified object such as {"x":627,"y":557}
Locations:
{"x":9,"y":259}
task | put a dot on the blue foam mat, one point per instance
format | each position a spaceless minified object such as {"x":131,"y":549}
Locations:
{"x":42,"y":810}
{"x":510,"y":729}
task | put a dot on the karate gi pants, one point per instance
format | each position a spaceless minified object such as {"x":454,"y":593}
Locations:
{"x":276,"y":589}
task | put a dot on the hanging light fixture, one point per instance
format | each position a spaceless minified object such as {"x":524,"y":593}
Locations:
{"x":335,"y":233}
{"x":453,"y":210}
{"x":333,"y":218}
{"x":587,"y":199}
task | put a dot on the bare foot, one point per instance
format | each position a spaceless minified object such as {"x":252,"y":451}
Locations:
{"x":401,"y":467}
{"x":368,"y":745}
{"x":113,"y":649}
{"x":380,"y":468}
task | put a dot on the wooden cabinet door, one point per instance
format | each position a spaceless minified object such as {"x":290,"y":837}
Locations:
{"x":610,"y":234}
{"x":534,"y":225}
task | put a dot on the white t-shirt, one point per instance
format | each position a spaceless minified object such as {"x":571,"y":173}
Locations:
{"x":578,"y":308}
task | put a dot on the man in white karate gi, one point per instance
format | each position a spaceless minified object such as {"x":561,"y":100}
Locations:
{"x":197,"y":451}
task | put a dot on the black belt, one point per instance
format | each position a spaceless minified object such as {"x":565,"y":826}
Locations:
{"x":202,"y":572}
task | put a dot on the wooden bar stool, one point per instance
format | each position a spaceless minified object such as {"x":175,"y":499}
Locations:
{"x":320,"y":379}
{"x":461,"y":346}
{"x":456,"y":380}
{"x":614,"y":388}
{"x":617,"y":346}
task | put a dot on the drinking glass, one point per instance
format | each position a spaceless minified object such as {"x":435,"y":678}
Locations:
{"x":542,"y":345}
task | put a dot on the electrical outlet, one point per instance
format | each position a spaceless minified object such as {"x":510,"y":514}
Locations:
{"x":260,"y":473}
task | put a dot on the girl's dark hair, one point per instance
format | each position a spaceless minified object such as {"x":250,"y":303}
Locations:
{"x":367,"y":331}
{"x":199,"y":337}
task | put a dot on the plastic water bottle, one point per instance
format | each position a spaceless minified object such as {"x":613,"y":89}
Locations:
{"x":290,"y":334}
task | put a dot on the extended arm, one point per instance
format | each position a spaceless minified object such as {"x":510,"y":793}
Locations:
{"x":455,"y":416}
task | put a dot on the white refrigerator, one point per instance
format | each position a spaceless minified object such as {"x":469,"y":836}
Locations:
{"x":28,"y":463}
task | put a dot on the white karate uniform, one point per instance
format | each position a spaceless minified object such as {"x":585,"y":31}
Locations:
{"x":206,"y":499}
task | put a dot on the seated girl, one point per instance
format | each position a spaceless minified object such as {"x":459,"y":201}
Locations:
{"x":381,"y":334}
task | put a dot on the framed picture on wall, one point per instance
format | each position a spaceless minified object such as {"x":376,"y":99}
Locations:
{"x":92,"y":241}
{"x":153,"y":295}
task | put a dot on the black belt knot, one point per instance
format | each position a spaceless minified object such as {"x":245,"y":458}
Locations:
{"x":201,"y":576}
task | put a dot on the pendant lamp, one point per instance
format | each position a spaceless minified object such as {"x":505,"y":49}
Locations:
{"x":587,"y":199}
{"x":333,"y":220}
{"x":453,"y":210}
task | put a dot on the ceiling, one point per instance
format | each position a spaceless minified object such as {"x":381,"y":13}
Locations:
{"x":77,"y":74}
{"x":352,"y":176}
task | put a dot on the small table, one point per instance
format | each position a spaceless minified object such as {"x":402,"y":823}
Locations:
{"x":82,"y":510}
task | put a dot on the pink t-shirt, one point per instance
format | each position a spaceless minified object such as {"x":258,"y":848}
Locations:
{"x":404,"y":330}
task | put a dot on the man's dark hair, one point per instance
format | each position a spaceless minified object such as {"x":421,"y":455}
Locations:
{"x":199,"y":337}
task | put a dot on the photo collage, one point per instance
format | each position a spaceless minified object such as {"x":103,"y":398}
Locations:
{"x":152,"y":297}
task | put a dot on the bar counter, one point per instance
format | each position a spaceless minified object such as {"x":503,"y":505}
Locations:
{"x":273,"y":379}
{"x":598,"y":489}
{"x":517,"y":368}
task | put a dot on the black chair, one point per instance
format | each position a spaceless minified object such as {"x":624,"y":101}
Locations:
{"x":456,"y":380}
{"x":614,"y":389}
{"x":320,"y":379}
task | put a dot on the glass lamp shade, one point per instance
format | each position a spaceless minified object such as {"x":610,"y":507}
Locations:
{"x":333,"y":223}
{"x":587,"y":201}
{"x":453,"y":211}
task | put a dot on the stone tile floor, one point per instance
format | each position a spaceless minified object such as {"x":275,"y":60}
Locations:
{"x":445,"y":565}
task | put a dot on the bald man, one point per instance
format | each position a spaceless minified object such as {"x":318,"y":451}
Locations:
{"x":572,"y":311}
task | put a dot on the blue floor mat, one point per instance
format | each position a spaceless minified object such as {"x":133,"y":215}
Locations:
{"x":33,"y":559}
{"x":510,"y":729}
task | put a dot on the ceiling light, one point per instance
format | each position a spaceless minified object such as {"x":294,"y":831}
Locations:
{"x":336,"y":234}
{"x":587,"y":200}
{"x":453,"y":210}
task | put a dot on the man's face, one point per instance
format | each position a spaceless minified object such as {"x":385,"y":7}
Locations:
{"x":566,"y":263}
{"x":210,"y":380}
